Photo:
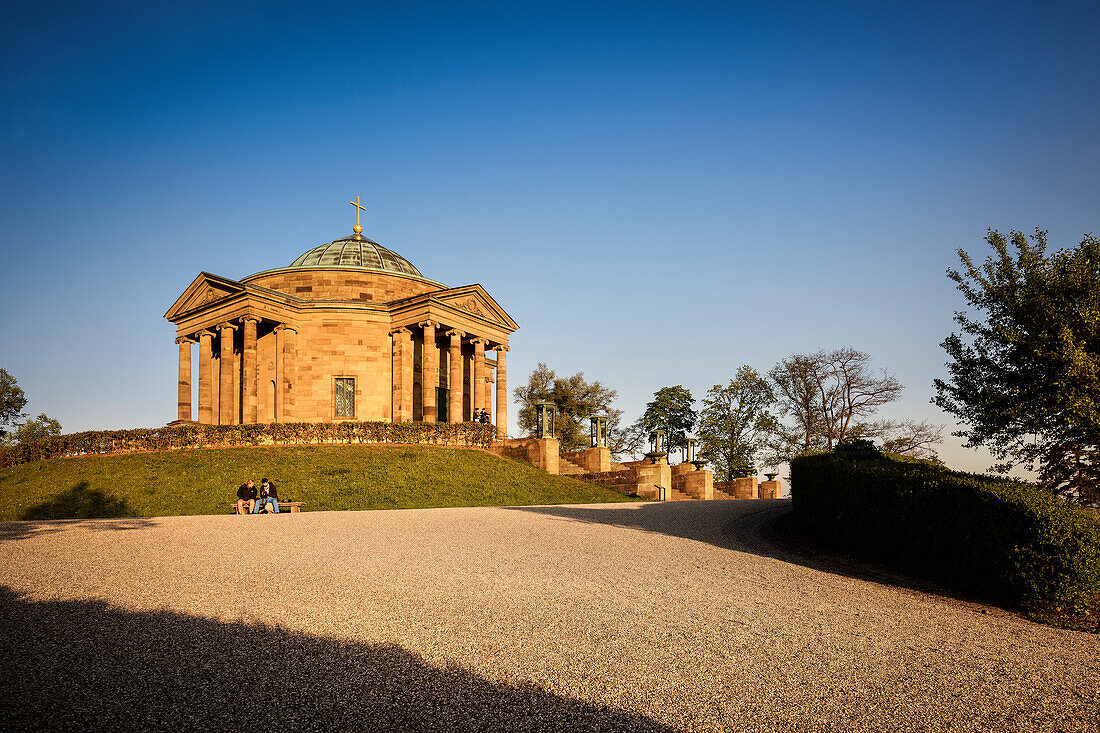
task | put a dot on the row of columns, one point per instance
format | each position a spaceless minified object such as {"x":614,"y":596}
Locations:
{"x":480,"y":396}
{"x":222,"y":408}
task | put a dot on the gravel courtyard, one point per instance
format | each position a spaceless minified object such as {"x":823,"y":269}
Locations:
{"x":654,"y":617}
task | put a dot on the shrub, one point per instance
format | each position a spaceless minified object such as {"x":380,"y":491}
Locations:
{"x":1004,"y":540}
{"x":174,"y":437}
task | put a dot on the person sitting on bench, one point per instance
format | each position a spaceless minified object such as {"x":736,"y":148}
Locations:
{"x":269,"y":498}
{"x":246,"y":497}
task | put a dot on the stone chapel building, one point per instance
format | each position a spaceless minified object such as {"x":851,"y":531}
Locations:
{"x":348,"y":331}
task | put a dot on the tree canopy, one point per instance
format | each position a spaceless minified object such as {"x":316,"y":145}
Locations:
{"x":669,"y":410}
{"x":576,"y":400}
{"x":37,"y":428}
{"x":1024,"y":374}
{"x":12,"y":401}
{"x":735,"y":423}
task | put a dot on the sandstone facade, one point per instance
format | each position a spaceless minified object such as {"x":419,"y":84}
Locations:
{"x":349,"y":331}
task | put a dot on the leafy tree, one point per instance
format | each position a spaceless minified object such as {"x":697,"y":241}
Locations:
{"x":735,"y":423}
{"x":576,"y":401}
{"x":12,"y":401}
{"x":37,"y":428}
{"x":1026,"y":380}
{"x":671,"y":411}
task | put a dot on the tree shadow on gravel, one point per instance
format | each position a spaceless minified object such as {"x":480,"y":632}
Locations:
{"x":770,"y":532}
{"x":87,"y":665}
{"x":702,"y":521}
{"x":21,"y":530}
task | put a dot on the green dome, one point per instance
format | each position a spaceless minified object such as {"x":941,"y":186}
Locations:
{"x":358,"y":252}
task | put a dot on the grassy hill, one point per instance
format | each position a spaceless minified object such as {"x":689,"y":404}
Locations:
{"x":324,"y":476}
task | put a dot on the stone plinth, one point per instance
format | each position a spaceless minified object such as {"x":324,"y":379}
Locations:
{"x":696,"y":484}
{"x":539,"y":452}
{"x":650,"y":475}
{"x":746,"y":488}
{"x":593,"y":460}
{"x":770,"y":489}
{"x":681,"y":468}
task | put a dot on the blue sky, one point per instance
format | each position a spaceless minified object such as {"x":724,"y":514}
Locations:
{"x":657,"y":192}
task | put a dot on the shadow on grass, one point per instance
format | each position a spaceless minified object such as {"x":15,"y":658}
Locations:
{"x":73,"y":665}
{"x":80,"y":502}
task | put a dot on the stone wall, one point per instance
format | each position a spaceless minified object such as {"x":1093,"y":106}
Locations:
{"x":740,"y":488}
{"x":330,"y":284}
{"x":593,"y":460}
{"x":539,"y":452}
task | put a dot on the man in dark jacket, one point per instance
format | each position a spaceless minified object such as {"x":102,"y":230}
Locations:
{"x":269,"y":498}
{"x":246,"y":497}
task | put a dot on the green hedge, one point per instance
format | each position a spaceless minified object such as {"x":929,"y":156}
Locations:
{"x":174,"y":437}
{"x":1003,"y":540}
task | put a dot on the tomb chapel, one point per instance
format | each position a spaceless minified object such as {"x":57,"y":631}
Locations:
{"x":349,"y":330}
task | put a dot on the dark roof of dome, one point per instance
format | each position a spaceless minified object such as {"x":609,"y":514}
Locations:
{"x":356,"y":251}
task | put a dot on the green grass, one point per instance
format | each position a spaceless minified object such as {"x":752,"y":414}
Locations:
{"x":332,"y":477}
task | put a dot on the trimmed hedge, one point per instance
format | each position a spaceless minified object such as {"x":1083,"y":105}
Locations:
{"x":175,"y":437}
{"x":1003,"y":540}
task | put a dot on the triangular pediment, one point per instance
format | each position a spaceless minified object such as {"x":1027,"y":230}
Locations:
{"x":203,"y":290}
{"x":474,"y":300}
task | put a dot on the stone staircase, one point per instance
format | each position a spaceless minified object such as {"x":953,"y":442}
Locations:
{"x":566,"y":467}
{"x":634,"y":478}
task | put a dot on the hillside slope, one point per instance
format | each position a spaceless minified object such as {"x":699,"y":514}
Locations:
{"x":332,"y":477}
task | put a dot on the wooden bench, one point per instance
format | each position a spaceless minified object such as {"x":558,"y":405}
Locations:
{"x":295,"y":507}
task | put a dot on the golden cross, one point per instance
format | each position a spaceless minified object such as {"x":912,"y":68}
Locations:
{"x":357,"y":228}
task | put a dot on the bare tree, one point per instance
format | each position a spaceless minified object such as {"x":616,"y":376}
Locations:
{"x":828,"y":396}
{"x":912,"y":438}
{"x":796,"y":381}
{"x":849,"y":389}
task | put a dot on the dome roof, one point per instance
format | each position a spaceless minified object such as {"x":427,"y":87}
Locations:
{"x":356,"y":251}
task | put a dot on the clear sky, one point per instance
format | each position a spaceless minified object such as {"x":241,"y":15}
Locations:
{"x":656,"y":192}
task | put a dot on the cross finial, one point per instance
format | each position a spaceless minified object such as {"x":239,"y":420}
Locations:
{"x":357,"y":228}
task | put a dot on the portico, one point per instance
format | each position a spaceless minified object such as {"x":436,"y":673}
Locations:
{"x":348,"y":331}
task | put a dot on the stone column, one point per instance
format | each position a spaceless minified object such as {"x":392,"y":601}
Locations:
{"x":227,"y":410}
{"x":402,"y":377}
{"x":477,"y":378}
{"x":502,"y":391}
{"x":429,"y":376}
{"x":250,"y":374}
{"x":206,"y":377}
{"x":288,"y":336}
{"x":454,"y":378}
{"x":184,"y":406}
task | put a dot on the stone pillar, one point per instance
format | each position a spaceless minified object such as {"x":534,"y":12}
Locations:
{"x":429,"y":375}
{"x":206,"y":371}
{"x":227,"y":410}
{"x":184,"y":407}
{"x":502,"y":391}
{"x":454,"y":377}
{"x":250,"y":375}
{"x":401,"y":401}
{"x":288,"y":335}
{"x":477,"y":378}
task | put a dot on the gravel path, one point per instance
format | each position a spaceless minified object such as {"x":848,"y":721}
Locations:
{"x":676,"y":616}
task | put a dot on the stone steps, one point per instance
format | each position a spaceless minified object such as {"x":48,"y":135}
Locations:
{"x":566,"y":467}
